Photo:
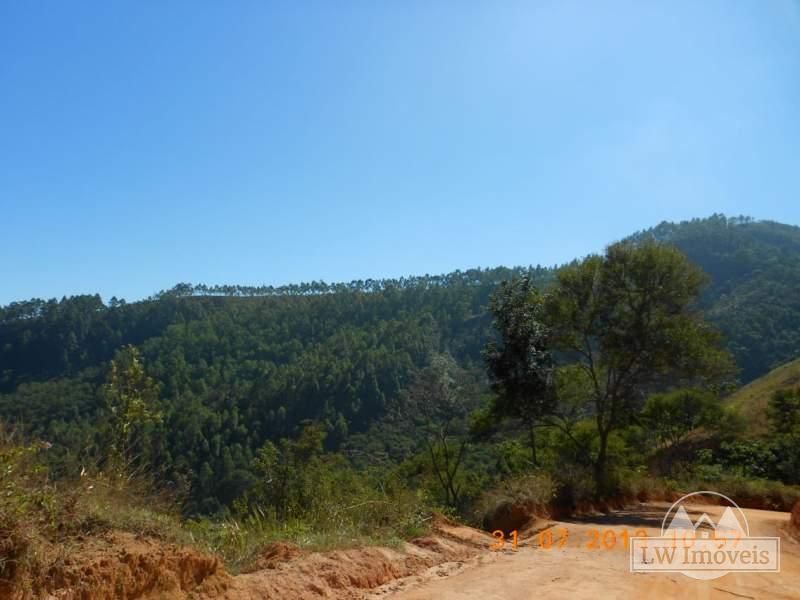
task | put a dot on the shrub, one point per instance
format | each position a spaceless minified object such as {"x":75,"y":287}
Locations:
{"x":750,"y":492}
{"x":28,"y":504}
{"x":524,"y":496}
{"x":644,"y":488}
{"x":40,"y":518}
{"x":575,"y":488}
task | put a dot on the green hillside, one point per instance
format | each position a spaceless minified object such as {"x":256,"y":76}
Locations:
{"x":754,"y":291}
{"x":752,"y":399}
{"x":237,"y":366}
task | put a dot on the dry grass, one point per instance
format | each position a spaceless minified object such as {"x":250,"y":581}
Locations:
{"x":42,"y":519}
{"x":515,"y":502}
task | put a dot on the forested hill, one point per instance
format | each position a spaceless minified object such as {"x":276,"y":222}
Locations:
{"x":237,"y":366}
{"x":754,"y":294}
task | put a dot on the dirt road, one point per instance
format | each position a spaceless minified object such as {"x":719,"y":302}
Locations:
{"x":586,"y":568}
{"x":585,"y":558}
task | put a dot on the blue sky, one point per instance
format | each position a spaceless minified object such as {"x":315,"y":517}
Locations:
{"x":147,"y":143}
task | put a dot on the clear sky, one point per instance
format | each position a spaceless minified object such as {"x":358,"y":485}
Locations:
{"x":147,"y":143}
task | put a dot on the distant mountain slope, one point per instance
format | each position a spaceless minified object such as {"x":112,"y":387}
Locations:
{"x":751,"y":400}
{"x":240,"y":365}
{"x":754,"y":294}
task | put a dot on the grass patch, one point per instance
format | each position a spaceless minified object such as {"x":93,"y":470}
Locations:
{"x":42,"y":521}
{"x":751,"y":401}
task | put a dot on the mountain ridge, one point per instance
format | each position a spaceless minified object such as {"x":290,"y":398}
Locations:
{"x":236,"y":370}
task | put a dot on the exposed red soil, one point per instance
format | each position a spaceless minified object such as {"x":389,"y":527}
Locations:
{"x":350,"y":574}
{"x":794,"y":521}
{"x":510,"y":517}
{"x":123,"y":566}
{"x":120,"y":565}
{"x":272,"y":555}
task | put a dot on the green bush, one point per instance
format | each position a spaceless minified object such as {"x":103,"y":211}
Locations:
{"x":533,"y":492}
{"x":643,"y":487}
{"x":749,"y":492}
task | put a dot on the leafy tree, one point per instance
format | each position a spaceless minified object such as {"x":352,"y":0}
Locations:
{"x":520,"y":365}
{"x":282,"y":468}
{"x":672,"y":416}
{"x":297,"y":481}
{"x":131,"y":397}
{"x":629,"y":320}
{"x":783,"y":411}
{"x":435,"y":403}
{"x":754,"y":293}
{"x":784,"y":414}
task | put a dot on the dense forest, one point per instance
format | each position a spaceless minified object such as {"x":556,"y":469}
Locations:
{"x":754,"y":289}
{"x":236,"y":367}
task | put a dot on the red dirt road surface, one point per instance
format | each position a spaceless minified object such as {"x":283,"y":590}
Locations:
{"x":576,"y":572}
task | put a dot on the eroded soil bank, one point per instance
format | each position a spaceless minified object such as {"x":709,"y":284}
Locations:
{"x":123,"y":566}
{"x":453,"y":563}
